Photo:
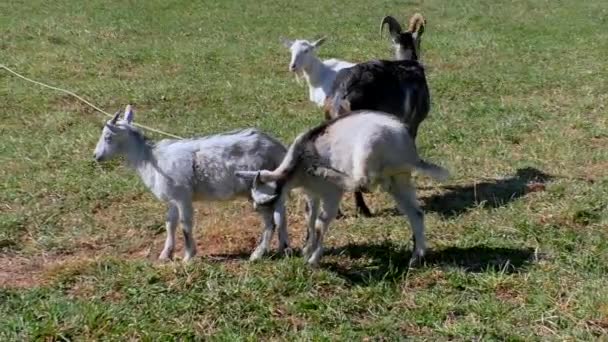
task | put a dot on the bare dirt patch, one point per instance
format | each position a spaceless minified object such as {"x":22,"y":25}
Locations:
{"x":20,"y":272}
{"x":223,"y":231}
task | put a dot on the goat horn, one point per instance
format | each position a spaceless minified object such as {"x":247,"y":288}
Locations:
{"x":393,"y":26}
{"x":115,"y":118}
{"x":417,"y":24}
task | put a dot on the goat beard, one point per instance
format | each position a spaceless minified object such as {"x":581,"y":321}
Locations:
{"x":299,"y":74}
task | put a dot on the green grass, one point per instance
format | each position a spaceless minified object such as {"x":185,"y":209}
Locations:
{"x":518,"y":236}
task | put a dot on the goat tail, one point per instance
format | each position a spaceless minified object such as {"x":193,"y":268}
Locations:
{"x":417,"y":23}
{"x":290,"y":161}
{"x":432,"y":170}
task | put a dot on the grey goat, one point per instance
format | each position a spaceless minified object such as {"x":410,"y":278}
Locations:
{"x":356,"y":151}
{"x":179,"y":172}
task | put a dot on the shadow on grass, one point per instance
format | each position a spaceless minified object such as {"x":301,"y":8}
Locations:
{"x":495,"y":193}
{"x":390,"y":262}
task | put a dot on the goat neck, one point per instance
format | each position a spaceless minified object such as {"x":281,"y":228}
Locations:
{"x":313,"y":72}
{"x":140,"y":156}
{"x":405,"y":54}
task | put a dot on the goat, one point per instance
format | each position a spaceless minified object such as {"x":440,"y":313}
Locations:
{"x":355,"y":151}
{"x":179,"y":172}
{"x":319,"y":74}
{"x":397,"y":87}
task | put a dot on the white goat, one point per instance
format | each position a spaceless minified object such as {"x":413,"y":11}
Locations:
{"x":319,"y":74}
{"x":181,"y":171}
{"x":353,"y":152}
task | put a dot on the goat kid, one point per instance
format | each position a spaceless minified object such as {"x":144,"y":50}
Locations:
{"x":179,"y":172}
{"x":356,"y":151}
{"x":319,"y":76}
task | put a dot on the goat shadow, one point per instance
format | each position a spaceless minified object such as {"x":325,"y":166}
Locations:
{"x":495,"y":193}
{"x":389,"y":262}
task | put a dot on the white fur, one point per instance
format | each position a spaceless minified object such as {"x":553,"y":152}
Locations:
{"x":179,"y":172}
{"x":319,"y":74}
{"x":356,"y":152}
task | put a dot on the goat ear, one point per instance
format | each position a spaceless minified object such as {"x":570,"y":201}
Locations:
{"x":263,"y":193}
{"x":262,"y":198}
{"x":319,"y":41}
{"x":115,"y":117}
{"x":286,"y":42}
{"x":129,"y":114}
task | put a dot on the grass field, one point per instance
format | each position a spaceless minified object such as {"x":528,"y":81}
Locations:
{"x":518,"y":236}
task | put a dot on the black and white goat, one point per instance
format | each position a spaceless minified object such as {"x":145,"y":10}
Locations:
{"x":396,"y":87}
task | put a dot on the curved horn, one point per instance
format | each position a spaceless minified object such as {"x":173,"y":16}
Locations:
{"x":393,"y":26}
{"x":115,"y":118}
{"x":417,"y":24}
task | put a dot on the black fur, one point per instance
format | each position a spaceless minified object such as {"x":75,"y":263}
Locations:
{"x":394,"y":87}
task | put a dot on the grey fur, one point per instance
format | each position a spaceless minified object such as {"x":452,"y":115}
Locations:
{"x":357,"y":151}
{"x":179,"y":172}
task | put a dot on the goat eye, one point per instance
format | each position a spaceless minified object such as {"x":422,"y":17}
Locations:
{"x":108,"y":138}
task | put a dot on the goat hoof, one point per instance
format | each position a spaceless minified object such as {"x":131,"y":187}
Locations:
{"x":307,"y":252}
{"x":165,"y":256}
{"x":188,"y":258}
{"x":415,"y":261}
{"x":316,"y":257}
{"x":256,"y":255}
{"x":313,"y":262}
{"x":287,"y":251}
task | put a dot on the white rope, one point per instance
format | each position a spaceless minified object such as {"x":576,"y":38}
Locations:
{"x":85,"y":101}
